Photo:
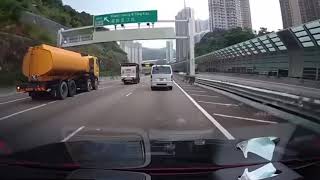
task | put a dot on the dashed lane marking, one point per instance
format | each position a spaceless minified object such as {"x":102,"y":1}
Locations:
{"x":244,"y":118}
{"x":1,"y":103}
{"x":221,"y":104}
{"x":20,"y":112}
{"x":26,"y":110}
{"x":72,"y":134}
{"x":224,"y":131}
{"x":200,"y":95}
{"x":196,"y":91}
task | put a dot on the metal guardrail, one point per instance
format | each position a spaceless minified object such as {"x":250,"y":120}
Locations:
{"x":302,"y":106}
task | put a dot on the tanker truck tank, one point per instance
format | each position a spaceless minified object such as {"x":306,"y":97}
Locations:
{"x":58,"y":72}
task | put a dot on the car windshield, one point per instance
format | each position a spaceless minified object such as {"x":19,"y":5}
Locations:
{"x":160,"y":86}
{"x":161,"y":70}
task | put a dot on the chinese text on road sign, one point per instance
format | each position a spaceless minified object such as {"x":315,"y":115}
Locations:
{"x":126,"y":18}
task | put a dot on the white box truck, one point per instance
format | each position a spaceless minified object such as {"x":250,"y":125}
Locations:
{"x":130,"y":73}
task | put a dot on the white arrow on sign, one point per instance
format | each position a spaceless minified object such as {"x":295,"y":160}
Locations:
{"x":106,"y":19}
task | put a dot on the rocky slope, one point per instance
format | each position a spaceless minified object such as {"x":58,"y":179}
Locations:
{"x":26,"y":23}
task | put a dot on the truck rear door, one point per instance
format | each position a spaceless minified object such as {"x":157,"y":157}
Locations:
{"x":128,"y":72}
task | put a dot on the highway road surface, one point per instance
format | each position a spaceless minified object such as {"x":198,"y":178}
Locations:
{"x":25,"y":123}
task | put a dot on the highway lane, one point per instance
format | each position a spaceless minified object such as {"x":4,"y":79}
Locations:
{"x":11,"y":97}
{"x":135,"y":106}
{"x":116,"y":105}
{"x":46,"y":123}
{"x":21,"y":102}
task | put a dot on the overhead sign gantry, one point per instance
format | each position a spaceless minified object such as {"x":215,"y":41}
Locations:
{"x":96,"y":33}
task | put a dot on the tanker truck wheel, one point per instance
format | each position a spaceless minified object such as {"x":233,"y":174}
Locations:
{"x":96,"y":84}
{"x":72,"y":88}
{"x":62,"y":91}
{"x":88,"y":86}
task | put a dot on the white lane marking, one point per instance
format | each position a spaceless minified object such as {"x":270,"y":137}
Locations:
{"x":129,"y":94}
{"x":10,"y":94}
{"x":51,"y":102}
{"x":72,"y":134}
{"x":100,"y":88}
{"x":26,"y":110}
{"x":84,"y":93}
{"x":224,"y":131}
{"x":222,"y":104}
{"x":192,"y":89}
{"x":197,"y":91}
{"x":20,"y":112}
{"x":1,"y":103}
{"x":246,"y":119}
{"x":204,"y":95}
{"x":81,"y":94}
{"x":106,"y":81}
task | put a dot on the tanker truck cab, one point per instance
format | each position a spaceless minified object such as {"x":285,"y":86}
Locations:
{"x":93,"y":73}
{"x":57,"y":72}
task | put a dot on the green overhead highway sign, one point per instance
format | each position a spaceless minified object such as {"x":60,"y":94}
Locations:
{"x":126,"y":18}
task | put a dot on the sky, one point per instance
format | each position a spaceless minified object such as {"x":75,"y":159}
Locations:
{"x":264,"y":13}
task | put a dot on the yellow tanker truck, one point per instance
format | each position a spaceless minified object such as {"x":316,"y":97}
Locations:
{"x":58,"y":72}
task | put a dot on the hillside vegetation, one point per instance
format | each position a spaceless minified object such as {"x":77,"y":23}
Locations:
{"x":219,"y":39}
{"x":10,"y":11}
{"x":16,"y":35}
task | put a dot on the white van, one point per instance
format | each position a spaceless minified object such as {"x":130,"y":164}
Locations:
{"x":161,"y":76}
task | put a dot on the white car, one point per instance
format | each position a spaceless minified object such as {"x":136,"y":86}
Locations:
{"x":161,"y":76}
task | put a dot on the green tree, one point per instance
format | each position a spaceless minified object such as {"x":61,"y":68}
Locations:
{"x":237,"y":35}
{"x":263,"y":31}
{"x":10,"y":10}
{"x":219,"y":39}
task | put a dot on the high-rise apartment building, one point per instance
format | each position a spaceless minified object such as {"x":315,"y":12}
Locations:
{"x":233,"y":13}
{"x":290,"y":11}
{"x":201,"y":25}
{"x":310,"y":10}
{"x":201,"y":28}
{"x":228,"y":14}
{"x":245,"y":14}
{"x":182,"y":45}
{"x":217,"y":14}
{"x":133,"y":50}
{"x":296,"y":12}
{"x":169,"y":51}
